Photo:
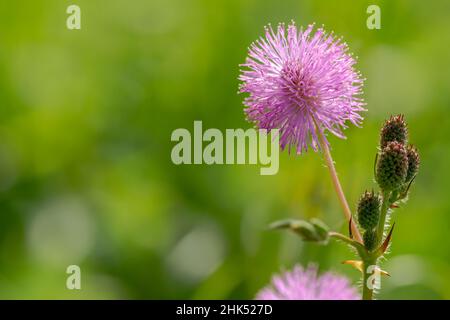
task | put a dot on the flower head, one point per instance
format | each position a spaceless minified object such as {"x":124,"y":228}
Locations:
{"x":298,"y":80}
{"x":368,"y":210}
{"x":392,"y":166}
{"x":394,"y":129}
{"x":306,"y":284}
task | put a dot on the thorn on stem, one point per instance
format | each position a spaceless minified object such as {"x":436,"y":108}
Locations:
{"x":386,"y":241}
{"x":409,"y":186}
{"x":357,"y":264}
{"x":350,"y":228}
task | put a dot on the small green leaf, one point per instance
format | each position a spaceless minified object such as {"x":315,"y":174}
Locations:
{"x":321,"y":228}
{"x":314,"y":231}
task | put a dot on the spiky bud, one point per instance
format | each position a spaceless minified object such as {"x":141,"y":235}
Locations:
{"x":413,"y":162}
{"x":368,"y":210}
{"x":370,"y":239}
{"x":392,"y":166}
{"x":394,"y":129}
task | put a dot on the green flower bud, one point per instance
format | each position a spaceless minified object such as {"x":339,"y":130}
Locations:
{"x":413,"y":162}
{"x":392,"y":166}
{"x":368,"y":210}
{"x":370,"y":239}
{"x":394,"y":129}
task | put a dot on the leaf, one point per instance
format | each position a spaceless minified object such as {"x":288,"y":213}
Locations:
{"x":313,"y":231}
{"x":321,"y":228}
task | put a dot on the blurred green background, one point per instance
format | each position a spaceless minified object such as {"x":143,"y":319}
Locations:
{"x":86,"y":176}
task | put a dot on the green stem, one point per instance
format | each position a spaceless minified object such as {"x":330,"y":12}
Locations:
{"x":371,"y":260}
{"x":383,"y":214}
{"x":358,"y":246}
{"x":368,"y":287}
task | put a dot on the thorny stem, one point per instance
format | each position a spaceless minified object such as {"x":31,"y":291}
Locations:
{"x":336,"y":183}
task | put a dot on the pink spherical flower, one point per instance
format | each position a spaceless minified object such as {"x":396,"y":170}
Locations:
{"x":297,"y":79}
{"x":306,"y":284}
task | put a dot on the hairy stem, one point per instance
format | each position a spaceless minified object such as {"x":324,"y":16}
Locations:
{"x":368,"y":286}
{"x":372,"y":259}
{"x":336,"y":183}
{"x":383,"y":214}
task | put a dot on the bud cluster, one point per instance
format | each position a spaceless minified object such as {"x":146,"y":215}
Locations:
{"x":396,"y":166}
{"x":397,"y":162}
